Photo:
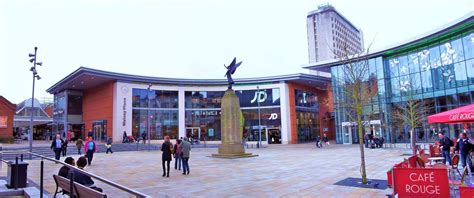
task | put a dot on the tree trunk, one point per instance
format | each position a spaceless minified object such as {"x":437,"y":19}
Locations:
{"x":413,"y":140}
{"x":361,"y":147}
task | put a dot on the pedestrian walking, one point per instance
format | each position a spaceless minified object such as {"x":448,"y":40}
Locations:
{"x":186,"y":150}
{"x":464,"y":147}
{"x":167,"y":149}
{"x":90,"y":148}
{"x":325,"y":139}
{"x":318,"y":140}
{"x":177,"y":155}
{"x":79,"y":145}
{"x":144,"y":137}
{"x":64,"y":148}
{"x":445,"y":145}
{"x":124,"y":137}
{"x":57,"y":146}
{"x":69,"y":136}
{"x":109,"y":146}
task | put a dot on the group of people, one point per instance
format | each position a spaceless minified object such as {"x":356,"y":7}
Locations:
{"x":59,"y":146}
{"x":319,"y":141}
{"x":180,"y":151}
{"x":131,"y":139}
{"x":79,"y":177}
{"x":373,"y":141}
{"x":463,"y":146}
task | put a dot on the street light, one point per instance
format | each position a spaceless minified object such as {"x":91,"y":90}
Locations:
{"x":148,"y":116}
{"x":259,"y":122}
{"x":35,"y":76}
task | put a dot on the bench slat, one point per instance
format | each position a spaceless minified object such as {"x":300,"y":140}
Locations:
{"x":84,"y":191}
{"x":79,"y":189}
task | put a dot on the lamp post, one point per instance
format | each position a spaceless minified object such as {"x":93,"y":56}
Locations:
{"x":148,"y":116}
{"x":259,"y":122}
{"x":35,"y":76}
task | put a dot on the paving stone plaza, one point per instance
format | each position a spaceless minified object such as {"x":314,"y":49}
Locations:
{"x":279,"y":171}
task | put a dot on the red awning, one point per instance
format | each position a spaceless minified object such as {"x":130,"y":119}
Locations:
{"x":459,"y":115}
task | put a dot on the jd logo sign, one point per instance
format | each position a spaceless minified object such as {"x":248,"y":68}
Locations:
{"x":273,"y":116}
{"x":261,"y":96}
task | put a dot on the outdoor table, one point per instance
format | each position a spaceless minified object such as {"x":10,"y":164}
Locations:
{"x":435,"y":159}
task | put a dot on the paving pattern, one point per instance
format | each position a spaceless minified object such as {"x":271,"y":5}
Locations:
{"x":280,"y":171}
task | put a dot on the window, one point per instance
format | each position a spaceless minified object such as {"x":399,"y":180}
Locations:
{"x":403,"y":65}
{"x":413,"y":62}
{"x":435,"y":60}
{"x":460,"y":74}
{"x":306,"y":99}
{"x":380,"y":68}
{"x":395,"y":82}
{"x":393,"y":66}
{"x":458,"y":50}
{"x":470,"y":71}
{"x":426,"y":81}
{"x":438,"y":79}
{"x":468,"y":42}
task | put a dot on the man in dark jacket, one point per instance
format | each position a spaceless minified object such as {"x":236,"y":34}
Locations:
{"x":445,"y":145}
{"x":64,"y":171}
{"x":464,"y":147}
{"x":57,"y":146}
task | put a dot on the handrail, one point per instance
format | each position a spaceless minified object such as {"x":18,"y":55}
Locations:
{"x":111,"y":183}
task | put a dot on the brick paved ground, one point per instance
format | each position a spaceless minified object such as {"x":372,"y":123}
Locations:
{"x":279,"y":171}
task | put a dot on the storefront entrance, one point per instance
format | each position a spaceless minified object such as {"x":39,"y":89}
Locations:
{"x":351,"y":135}
{"x":193,"y":133}
{"x":99,"y":129}
{"x":274,"y":135}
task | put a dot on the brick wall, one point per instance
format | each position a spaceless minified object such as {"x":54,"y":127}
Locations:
{"x":7,"y":109}
{"x":98,"y":105}
{"x":325,"y":105}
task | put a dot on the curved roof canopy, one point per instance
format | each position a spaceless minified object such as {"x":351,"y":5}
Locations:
{"x":85,"y":78}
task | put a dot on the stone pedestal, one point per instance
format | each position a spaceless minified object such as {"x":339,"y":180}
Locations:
{"x":231,"y":133}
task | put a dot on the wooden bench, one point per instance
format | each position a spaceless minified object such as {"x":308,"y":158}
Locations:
{"x":80,"y":191}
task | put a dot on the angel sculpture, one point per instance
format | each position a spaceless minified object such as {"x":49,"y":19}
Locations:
{"x":230,"y":70}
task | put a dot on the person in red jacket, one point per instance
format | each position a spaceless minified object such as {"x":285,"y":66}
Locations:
{"x":90,"y":148}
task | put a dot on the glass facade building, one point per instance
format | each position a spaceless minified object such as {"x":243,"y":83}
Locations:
{"x":161,"y":107}
{"x":437,"y":69}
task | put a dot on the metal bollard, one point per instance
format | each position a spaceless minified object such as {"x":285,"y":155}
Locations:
{"x":41,"y":178}
{"x":21,"y":157}
{"x":16,"y":172}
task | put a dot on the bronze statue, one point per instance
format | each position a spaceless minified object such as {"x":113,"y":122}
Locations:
{"x":230,"y":70}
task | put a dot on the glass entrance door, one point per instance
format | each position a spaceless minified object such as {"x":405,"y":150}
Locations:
{"x":99,"y":129}
{"x":347,"y":131}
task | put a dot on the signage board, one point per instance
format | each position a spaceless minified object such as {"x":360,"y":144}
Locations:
{"x":421,"y":182}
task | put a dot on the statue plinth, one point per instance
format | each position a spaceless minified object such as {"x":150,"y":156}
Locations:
{"x":231,"y":132}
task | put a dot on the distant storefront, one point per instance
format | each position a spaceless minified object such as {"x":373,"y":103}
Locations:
{"x":7,"y":112}
{"x":109,"y":104}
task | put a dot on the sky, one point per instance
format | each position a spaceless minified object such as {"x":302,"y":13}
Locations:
{"x":187,"y":38}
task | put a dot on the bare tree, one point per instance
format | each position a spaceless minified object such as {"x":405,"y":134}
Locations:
{"x":412,"y":112}
{"x":358,"y":89}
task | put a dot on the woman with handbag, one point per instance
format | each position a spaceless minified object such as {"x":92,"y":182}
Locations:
{"x":167,"y":149}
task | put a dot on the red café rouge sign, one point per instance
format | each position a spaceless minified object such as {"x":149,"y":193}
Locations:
{"x":461,"y":116}
{"x":421,"y":182}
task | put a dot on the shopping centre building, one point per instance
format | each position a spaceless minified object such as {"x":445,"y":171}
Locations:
{"x":293,"y":108}
{"x":436,"y":68}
